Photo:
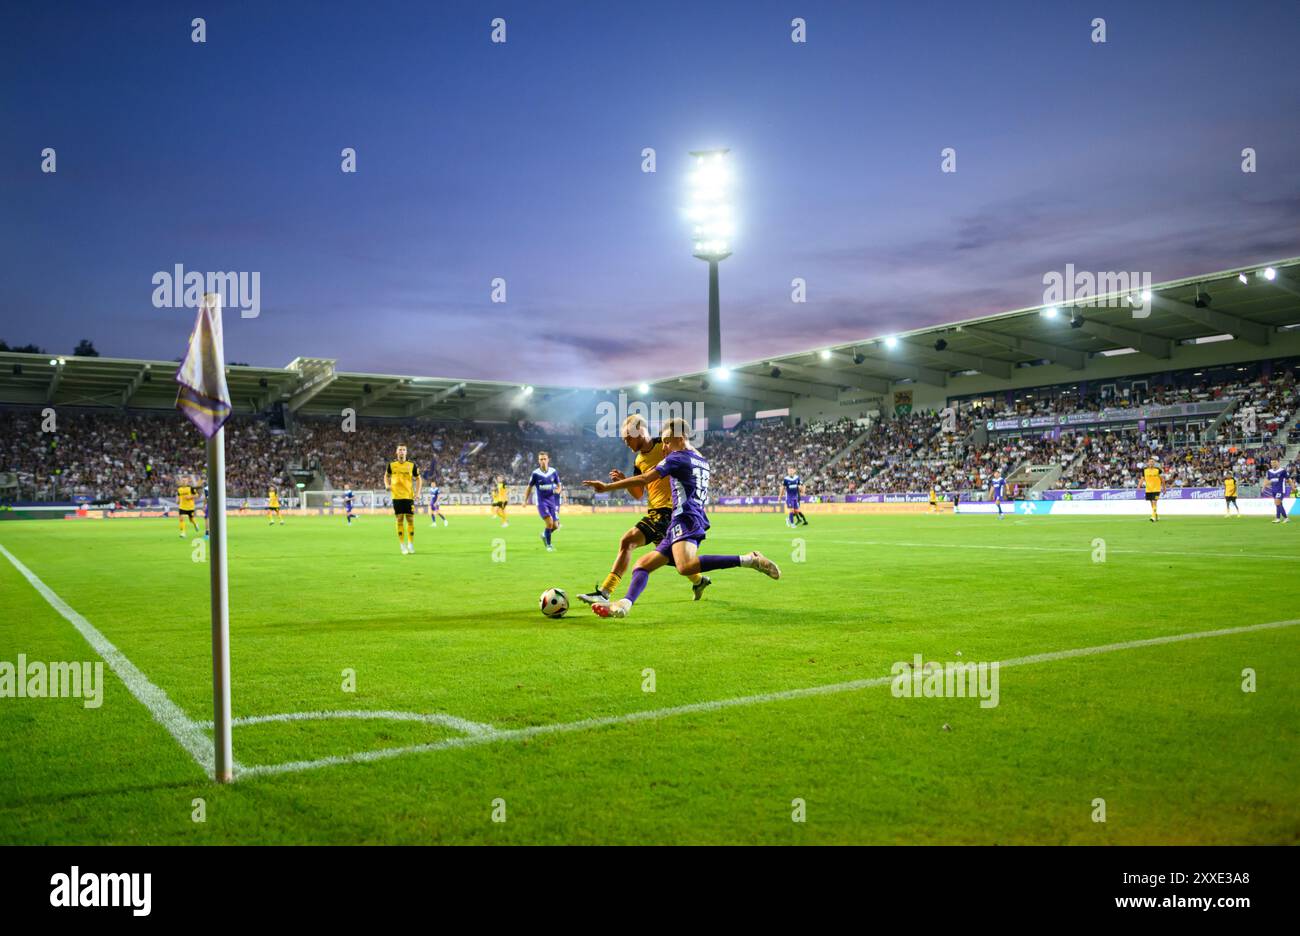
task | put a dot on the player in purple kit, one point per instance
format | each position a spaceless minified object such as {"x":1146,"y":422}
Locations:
{"x":435,"y":509}
{"x":998,"y":489}
{"x":1277,"y":478}
{"x":688,"y":471}
{"x":793,"y":486}
{"x":547,"y":482}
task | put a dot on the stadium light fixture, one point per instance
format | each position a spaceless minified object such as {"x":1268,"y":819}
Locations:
{"x":1243,"y":278}
{"x":54,"y":362}
{"x":826,"y":354}
{"x":712,"y":226}
{"x":721,"y":373}
{"x":1051,"y":312}
{"x":891,"y":342}
{"x":1270,"y":274}
{"x":1146,"y":295}
{"x":643,"y":388}
{"x":528,"y":390}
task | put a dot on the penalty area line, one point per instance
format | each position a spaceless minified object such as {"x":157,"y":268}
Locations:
{"x":588,"y":724}
{"x":188,"y":734}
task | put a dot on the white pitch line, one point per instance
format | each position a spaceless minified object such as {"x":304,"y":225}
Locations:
{"x":587,"y":724}
{"x":429,"y":718}
{"x":1078,"y":550}
{"x":167,"y":713}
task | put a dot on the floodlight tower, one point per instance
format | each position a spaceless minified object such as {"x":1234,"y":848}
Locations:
{"x":713,"y":226}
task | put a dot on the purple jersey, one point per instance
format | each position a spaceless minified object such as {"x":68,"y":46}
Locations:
{"x":688,"y":472}
{"x":434,"y":493}
{"x":1277,"y":481}
{"x":547,"y":483}
{"x":999,"y":487}
{"x":791,"y":483}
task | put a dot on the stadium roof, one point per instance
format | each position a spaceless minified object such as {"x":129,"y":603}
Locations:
{"x":1242,"y":303}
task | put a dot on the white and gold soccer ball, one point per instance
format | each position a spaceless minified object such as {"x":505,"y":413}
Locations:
{"x":554,"y":602}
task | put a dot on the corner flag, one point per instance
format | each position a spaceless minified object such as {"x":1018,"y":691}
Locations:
{"x":204,"y":398}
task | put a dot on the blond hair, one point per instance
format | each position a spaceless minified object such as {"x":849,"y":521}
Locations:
{"x":676,"y":428}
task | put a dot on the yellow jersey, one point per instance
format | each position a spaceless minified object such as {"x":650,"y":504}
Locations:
{"x":658,"y":493}
{"x":1230,"y":487}
{"x":402,"y":476}
{"x":1151,"y":478}
{"x":502,"y":495}
{"x":185,"y":497}
{"x":273,"y":499}
{"x":934,"y":498}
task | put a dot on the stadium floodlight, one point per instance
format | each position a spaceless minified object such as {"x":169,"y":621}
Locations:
{"x":1051,"y":312}
{"x":54,"y":362}
{"x":826,"y":354}
{"x":528,"y":390}
{"x":1243,"y":278}
{"x":1270,"y":274}
{"x":643,"y":388}
{"x":1146,"y":295}
{"x":891,"y":342}
{"x":712,"y":226}
{"x":721,"y":373}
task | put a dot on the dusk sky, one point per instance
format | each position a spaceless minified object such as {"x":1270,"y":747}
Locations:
{"x":523,"y":160}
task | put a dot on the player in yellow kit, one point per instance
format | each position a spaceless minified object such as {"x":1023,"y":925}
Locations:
{"x":1153,"y":483}
{"x":934,"y":499}
{"x":402,"y":479}
{"x":649,"y":529}
{"x":185,"y":495}
{"x":1230,"y":495}
{"x":273,"y":507}
{"x":500,"y":499}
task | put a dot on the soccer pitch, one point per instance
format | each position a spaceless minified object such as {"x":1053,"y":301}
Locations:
{"x":771,"y":701}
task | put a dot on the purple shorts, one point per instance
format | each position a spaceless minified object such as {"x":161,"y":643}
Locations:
{"x":548,"y":508}
{"x":792,"y":503}
{"x":682,"y":529}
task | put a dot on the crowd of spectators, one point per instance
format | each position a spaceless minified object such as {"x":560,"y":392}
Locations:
{"x":128,"y":456}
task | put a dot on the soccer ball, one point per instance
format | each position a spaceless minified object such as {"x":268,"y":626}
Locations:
{"x":554,"y":602}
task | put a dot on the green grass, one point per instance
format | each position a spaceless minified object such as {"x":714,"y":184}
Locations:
{"x":1164,"y":734}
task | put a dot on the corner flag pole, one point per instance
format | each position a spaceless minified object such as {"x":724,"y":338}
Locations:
{"x":221,"y":734}
{"x":204,"y":398}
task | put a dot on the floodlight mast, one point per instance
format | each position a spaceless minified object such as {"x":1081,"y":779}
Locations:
{"x":711,"y":212}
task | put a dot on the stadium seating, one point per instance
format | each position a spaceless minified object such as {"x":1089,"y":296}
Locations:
{"x":128,"y":456}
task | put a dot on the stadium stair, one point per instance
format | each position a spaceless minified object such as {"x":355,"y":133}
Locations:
{"x":844,"y":452}
{"x":1212,"y":432}
{"x":1045,"y":480}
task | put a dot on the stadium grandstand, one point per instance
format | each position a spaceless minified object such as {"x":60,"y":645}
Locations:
{"x":1199,"y":374}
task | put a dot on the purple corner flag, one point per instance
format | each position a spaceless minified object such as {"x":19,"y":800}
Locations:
{"x":203,"y":395}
